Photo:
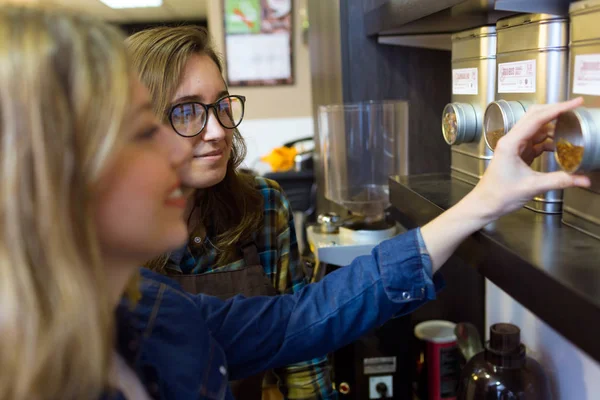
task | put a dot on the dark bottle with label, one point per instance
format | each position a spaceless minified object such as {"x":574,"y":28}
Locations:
{"x":503,"y":371}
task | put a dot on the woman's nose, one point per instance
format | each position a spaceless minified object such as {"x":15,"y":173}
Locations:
{"x":213,"y":131}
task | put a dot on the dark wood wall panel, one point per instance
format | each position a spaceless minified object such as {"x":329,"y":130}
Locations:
{"x":326,"y":77}
{"x":372,"y":71}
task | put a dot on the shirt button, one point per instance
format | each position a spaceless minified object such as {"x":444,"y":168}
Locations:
{"x":406,"y":296}
{"x":223,"y":370}
{"x":197,"y":240}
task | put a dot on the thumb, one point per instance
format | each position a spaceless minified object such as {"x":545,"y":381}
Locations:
{"x":544,"y":182}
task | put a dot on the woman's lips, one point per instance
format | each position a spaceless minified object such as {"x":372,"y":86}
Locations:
{"x":213,"y":155}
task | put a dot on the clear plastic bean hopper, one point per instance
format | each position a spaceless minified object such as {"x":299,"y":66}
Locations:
{"x":360,"y":144}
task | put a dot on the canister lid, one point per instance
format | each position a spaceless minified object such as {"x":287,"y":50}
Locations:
{"x":581,"y":7}
{"x":499,"y":118}
{"x":523,"y":19}
{"x":474,"y":44}
{"x":573,"y":136}
{"x":436,"y":331}
{"x":505,"y":338}
{"x":585,"y":30}
{"x":459,"y":123}
{"x":504,"y":348}
{"x":482,"y":31}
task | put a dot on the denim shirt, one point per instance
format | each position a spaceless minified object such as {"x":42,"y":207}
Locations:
{"x":189,"y":347}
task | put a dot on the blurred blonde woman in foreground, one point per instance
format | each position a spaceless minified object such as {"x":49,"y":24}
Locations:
{"x":89,"y":190}
{"x":86,"y":176}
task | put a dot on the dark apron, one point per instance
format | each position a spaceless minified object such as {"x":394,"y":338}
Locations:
{"x":249,"y":281}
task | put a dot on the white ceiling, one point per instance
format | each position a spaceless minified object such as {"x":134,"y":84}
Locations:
{"x":170,"y":10}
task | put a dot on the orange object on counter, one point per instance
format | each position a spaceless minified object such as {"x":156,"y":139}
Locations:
{"x":281,"y":159}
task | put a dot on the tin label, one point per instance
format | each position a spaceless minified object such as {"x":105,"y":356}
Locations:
{"x":517,"y":77}
{"x":379,"y":365}
{"x":464,"y":81}
{"x":586,"y":74}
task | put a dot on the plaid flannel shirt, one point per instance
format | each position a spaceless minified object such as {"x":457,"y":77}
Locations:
{"x":278,"y":252}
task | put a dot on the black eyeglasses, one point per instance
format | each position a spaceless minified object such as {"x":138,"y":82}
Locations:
{"x":189,"y":119}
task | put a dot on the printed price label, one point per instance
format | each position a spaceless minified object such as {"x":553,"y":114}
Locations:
{"x":586,"y":75}
{"x":517,"y":77}
{"x":464,"y":81}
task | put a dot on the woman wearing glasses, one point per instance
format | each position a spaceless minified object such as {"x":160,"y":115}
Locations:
{"x":241,"y":231}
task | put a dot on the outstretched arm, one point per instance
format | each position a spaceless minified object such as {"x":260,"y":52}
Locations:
{"x":507,"y":184}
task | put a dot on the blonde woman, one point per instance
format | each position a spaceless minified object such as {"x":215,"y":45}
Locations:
{"x":89,"y":189}
{"x":241,"y":230}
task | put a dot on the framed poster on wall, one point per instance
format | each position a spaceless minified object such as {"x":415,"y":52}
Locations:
{"x":259,"y":42}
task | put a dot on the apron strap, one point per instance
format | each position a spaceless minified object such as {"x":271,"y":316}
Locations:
{"x":250,"y":253}
{"x":251,"y":258}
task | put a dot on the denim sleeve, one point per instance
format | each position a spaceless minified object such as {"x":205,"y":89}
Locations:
{"x":425,"y":258}
{"x":426,"y":271}
{"x":262,"y":333}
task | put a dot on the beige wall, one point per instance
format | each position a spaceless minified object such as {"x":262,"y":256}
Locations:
{"x":275,"y":101}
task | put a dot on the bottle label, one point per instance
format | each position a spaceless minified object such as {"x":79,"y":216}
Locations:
{"x":449,"y":372}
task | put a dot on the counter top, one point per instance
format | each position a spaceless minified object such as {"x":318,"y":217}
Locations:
{"x":551,"y":269}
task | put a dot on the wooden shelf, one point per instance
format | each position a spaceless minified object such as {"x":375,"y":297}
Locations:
{"x":412,"y":17}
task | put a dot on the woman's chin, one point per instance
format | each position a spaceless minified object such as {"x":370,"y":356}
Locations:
{"x":198,"y":176}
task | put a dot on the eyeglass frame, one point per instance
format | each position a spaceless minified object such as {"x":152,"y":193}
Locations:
{"x":207,"y":108}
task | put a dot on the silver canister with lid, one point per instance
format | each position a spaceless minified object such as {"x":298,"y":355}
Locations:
{"x":532,"y":61}
{"x":577,"y":133}
{"x":473,"y":84}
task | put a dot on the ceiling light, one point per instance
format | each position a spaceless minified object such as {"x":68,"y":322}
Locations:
{"x":132,"y":3}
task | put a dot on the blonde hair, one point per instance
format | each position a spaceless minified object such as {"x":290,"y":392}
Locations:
{"x":64,"y":90}
{"x":233,"y":209}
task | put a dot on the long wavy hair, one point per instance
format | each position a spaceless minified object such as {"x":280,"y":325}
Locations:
{"x":64,"y":91}
{"x":233,"y":209}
